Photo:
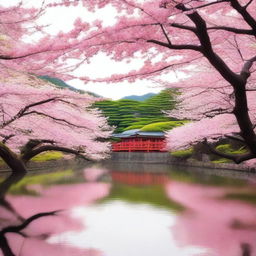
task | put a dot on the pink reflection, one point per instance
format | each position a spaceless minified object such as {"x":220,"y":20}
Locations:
{"x":37,"y":247}
{"x":208,"y":220}
{"x":92,"y":174}
{"x":58,"y":197}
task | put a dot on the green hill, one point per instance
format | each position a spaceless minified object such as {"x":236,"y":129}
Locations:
{"x":128,"y":114}
{"x":161,"y":126}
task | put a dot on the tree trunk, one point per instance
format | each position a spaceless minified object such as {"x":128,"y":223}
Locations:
{"x":12,"y":160}
{"x":243,"y":119}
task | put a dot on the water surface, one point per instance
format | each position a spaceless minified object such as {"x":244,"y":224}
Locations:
{"x":128,"y":210}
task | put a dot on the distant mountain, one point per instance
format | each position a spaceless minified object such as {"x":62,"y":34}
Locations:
{"x":139,"y":98}
{"x":62,"y":84}
{"x":58,"y":82}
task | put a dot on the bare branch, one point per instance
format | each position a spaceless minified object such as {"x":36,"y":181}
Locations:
{"x":207,"y":50}
{"x":23,"y":110}
{"x":176,"y":25}
{"x":7,"y":137}
{"x":245,"y":14}
{"x":245,"y":73}
{"x":165,"y":34}
{"x":245,"y":6}
{"x":233,"y":137}
{"x":234,"y":30}
{"x":56,"y":119}
{"x":216,"y":111}
{"x":176,"y":47}
{"x":31,"y":144}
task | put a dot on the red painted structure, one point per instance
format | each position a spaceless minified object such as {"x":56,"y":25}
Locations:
{"x":144,"y":142}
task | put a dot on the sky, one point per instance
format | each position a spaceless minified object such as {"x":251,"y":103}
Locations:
{"x":100,"y":66}
{"x":61,"y":19}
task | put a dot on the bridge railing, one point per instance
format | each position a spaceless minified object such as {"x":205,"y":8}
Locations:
{"x":139,"y":146}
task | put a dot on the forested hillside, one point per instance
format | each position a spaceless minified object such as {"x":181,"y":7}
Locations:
{"x":60,"y":83}
{"x":128,"y":114}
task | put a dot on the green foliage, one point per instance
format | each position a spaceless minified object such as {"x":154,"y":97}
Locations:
{"x":221,"y":161}
{"x":125,"y":113}
{"x":47,"y":156}
{"x":136,"y":126}
{"x":161,"y":126}
{"x":153,"y":195}
{"x":227,"y":148}
{"x":185,"y":153}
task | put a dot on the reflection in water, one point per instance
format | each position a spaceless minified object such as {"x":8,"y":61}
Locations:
{"x":114,"y":211}
{"x":119,"y":228}
{"x":16,"y":229}
{"x":24,"y":228}
{"x":4,"y":187}
{"x":208,"y":220}
{"x":131,"y":178}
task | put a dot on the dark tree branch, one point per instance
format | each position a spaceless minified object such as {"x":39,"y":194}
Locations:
{"x":245,"y":73}
{"x":209,"y":4}
{"x":245,"y":14}
{"x":236,"y":138}
{"x":177,"y":25}
{"x":249,"y":2}
{"x":165,"y":34}
{"x":216,"y":111}
{"x":175,"y":46}
{"x":12,"y":160}
{"x":4,"y":187}
{"x":30,"y":154}
{"x":238,"y":158}
{"x":23,"y":111}
{"x":31,"y":144}
{"x":6,"y":137}
{"x":17,"y":229}
{"x":56,"y":119}
{"x":6,"y":57}
{"x":237,"y":81}
{"x":234,"y":30}
{"x":151,"y":72}
{"x":4,"y":245}
{"x":207,"y":50}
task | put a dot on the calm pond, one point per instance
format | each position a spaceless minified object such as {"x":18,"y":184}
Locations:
{"x":128,"y":210}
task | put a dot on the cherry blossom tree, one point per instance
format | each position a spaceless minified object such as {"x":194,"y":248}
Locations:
{"x":209,"y":45}
{"x":36,"y":117}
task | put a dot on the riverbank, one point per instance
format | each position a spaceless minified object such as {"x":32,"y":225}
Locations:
{"x":51,"y":165}
{"x":135,"y":158}
{"x":166,"y":158}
